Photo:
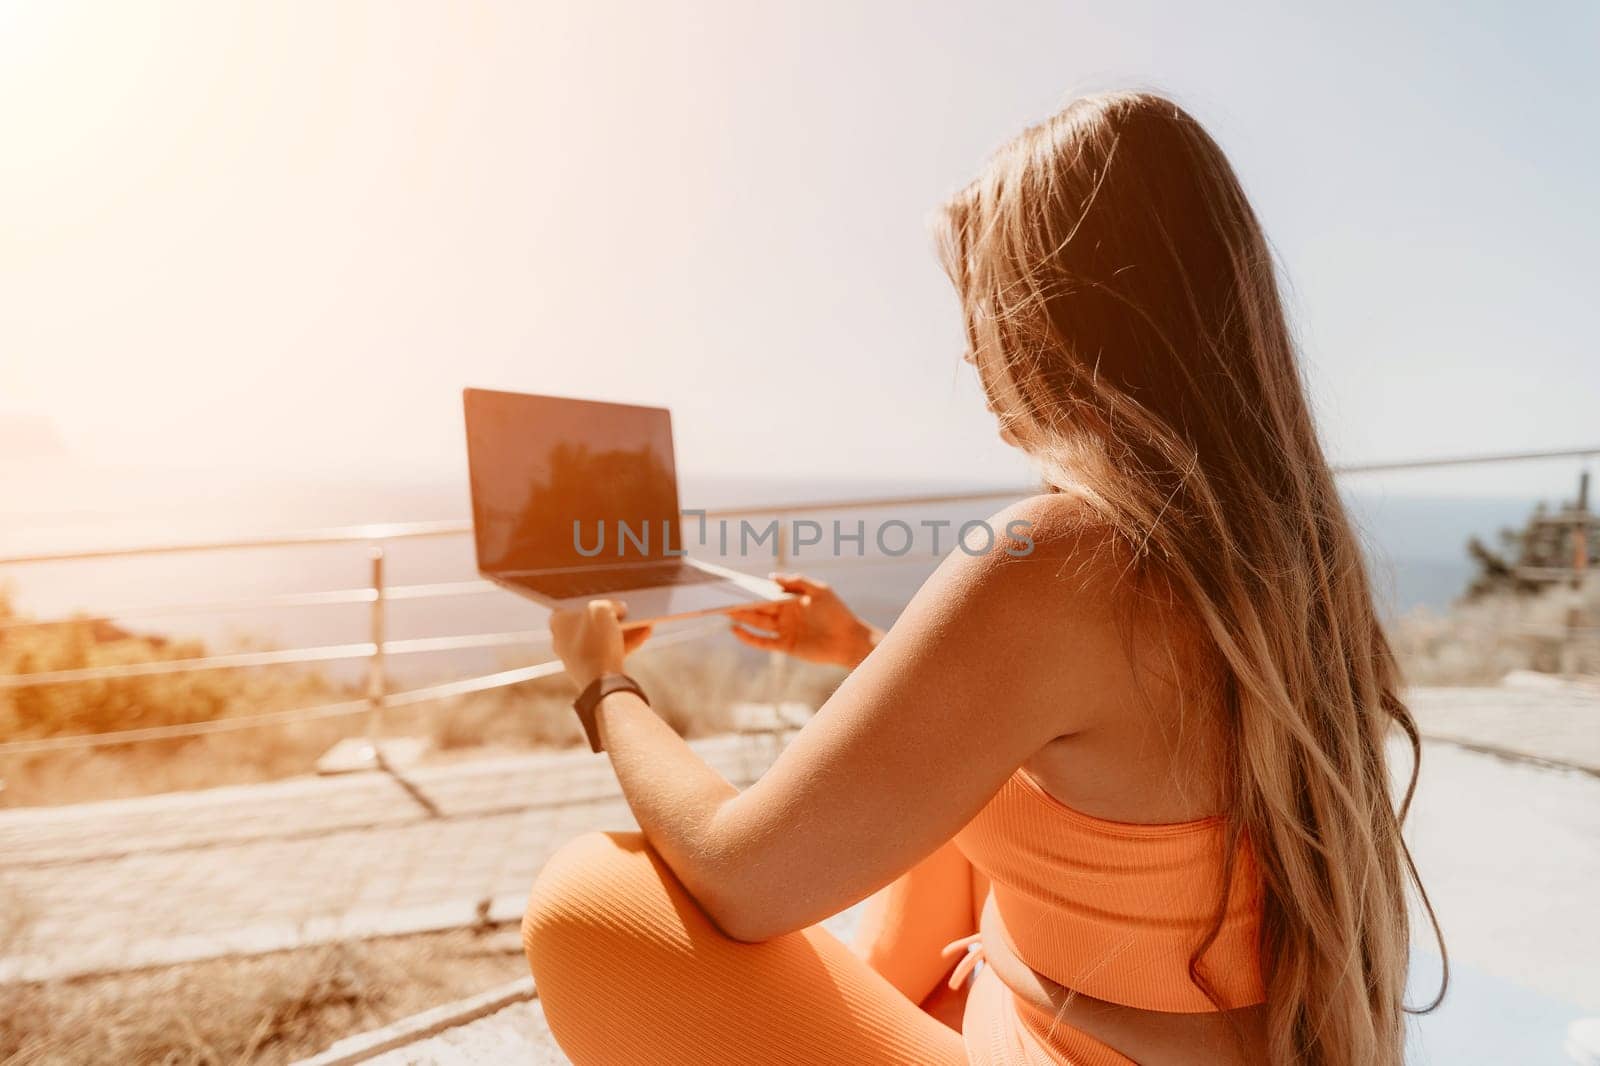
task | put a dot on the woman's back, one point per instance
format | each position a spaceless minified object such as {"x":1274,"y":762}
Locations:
{"x":1161,"y":759}
{"x":1107,"y":852}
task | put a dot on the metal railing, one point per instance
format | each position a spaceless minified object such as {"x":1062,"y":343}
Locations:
{"x":377,"y":649}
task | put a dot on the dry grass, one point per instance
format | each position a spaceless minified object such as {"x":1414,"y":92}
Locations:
{"x":65,"y":710}
{"x":134,"y":702}
{"x":266,"y":1009}
{"x":1479,"y":642}
{"x":693,"y":685}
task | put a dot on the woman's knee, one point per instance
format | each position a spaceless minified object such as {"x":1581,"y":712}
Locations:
{"x":590,"y":890}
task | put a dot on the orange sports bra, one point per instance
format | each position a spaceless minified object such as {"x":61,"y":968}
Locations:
{"x":1115,"y":909}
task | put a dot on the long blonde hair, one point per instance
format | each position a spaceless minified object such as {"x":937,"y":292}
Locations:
{"x":1122,"y":310}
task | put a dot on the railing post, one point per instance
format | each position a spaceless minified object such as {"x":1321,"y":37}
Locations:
{"x":378,"y":689}
{"x":377,"y":684}
{"x":1580,"y":569}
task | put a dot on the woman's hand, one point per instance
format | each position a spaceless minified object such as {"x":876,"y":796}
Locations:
{"x":590,"y":640}
{"x":813,"y":624}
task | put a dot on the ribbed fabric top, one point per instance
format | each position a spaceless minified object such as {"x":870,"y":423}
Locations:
{"x":1115,"y":909}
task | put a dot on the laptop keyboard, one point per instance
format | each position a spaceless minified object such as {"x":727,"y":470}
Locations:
{"x":615,"y":579}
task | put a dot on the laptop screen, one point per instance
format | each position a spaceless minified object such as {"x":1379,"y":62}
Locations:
{"x":540,"y":463}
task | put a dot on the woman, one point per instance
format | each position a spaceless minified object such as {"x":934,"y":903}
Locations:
{"x":1138,"y":772}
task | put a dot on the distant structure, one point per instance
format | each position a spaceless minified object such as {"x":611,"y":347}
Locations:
{"x":1552,"y":548}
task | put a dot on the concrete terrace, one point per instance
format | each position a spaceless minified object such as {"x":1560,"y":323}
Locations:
{"x":1506,"y":831}
{"x":173,"y":878}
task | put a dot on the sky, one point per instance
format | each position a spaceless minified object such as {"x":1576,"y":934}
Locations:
{"x":275,"y":240}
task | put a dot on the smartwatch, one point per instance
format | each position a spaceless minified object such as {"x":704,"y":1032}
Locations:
{"x":588,"y":702}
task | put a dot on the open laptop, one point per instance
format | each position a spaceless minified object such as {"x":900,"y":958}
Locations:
{"x":574,"y":500}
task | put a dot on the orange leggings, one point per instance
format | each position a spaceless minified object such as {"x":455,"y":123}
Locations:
{"x":630,"y":970}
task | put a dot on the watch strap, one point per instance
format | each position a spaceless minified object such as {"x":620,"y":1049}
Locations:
{"x":588,"y":702}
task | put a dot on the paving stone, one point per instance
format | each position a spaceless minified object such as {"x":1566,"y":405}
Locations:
{"x":108,"y":886}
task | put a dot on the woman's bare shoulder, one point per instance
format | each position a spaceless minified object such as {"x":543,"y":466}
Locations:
{"x":1056,"y":541}
{"x":1086,"y":572}
{"x":1047,"y":566}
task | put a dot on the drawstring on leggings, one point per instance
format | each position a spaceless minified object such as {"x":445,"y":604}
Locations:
{"x":973,"y":958}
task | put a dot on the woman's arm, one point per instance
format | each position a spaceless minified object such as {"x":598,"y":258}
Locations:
{"x":994,"y":658}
